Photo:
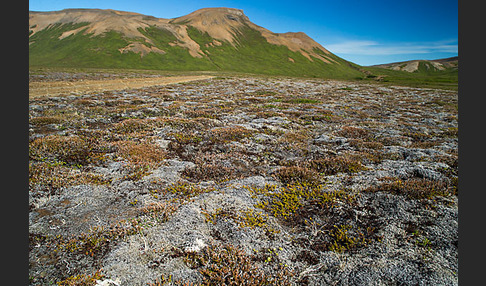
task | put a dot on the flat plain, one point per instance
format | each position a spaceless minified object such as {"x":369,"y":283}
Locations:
{"x":242,"y":180}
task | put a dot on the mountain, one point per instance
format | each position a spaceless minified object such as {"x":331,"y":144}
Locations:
{"x":213,"y":39}
{"x":426,"y":66}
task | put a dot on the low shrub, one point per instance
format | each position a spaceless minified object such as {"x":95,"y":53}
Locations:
{"x":336,"y":164}
{"x":82,"y":279}
{"x":227,"y":134}
{"x":141,"y":153}
{"x":85,"y":101}
{"x":345,"y":237}
{"x":44,"y":120}
{"x":229,"y":265}
{"x":185,"y":125}
{"x":326,"y":117}
{"x":56,"y":175}
{"x":297,"y":175}
{"x":186,"y":138}
{"x":296,"y":137}
{"x":363,"y":145}
{"x":97,"y":240}
{"x":161,"y":211}
{"x":68,"y":149}
{"x":302,"y":101}
{"x":416,"y":188}
{"x":354,"y":132}
{"x":217,"y":166}
{"x":210,"y":171}
{"x":418,"y":136}
{"x":141,"y":156}
{"x":204,"y":113}
{"x":451,"y":132}
{"x":133,"y":125}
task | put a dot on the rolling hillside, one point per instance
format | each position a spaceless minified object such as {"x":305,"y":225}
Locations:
{"x":441,"y":73}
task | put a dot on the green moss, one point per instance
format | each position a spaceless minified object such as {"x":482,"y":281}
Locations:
{"x":265,"y":93}
{"x":302,"y":101}
{"x":176,"y":57}
{"x":286,"y":202}
{"x":82,"y":279}
{"x":185,"y":190}
{"x":345,"y":238}
{"x":183,"y":138}
{"x":248,"y":218}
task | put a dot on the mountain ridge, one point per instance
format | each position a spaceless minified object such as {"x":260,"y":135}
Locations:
{"x":214,"y":38}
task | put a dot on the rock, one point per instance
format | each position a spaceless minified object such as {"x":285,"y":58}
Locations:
{"x":331,"y":139}
{"x":107,"y":282}
{"x":169,"y":174}
{"x":272,"y":120}
{"x":80,"y":208}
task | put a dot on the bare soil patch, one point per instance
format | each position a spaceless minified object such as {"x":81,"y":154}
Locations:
{"x":50,"y":88}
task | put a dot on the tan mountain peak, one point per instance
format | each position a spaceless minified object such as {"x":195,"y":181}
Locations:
{"x":217,"y":22}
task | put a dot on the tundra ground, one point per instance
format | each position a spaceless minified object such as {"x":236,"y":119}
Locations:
{"x":244,"y":181}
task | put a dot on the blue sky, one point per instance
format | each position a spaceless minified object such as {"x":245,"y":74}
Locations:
{"x":365,"y":32}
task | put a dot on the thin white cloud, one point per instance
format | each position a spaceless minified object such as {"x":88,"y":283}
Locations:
{"x":375,"y":48}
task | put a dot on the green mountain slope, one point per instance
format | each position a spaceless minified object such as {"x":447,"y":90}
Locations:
{"x":230,"y":42}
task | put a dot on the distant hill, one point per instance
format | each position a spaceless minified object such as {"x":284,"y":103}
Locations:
{"x":213,"y":39}
{"x":441,"y":73}
{"x":426,"y":66}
